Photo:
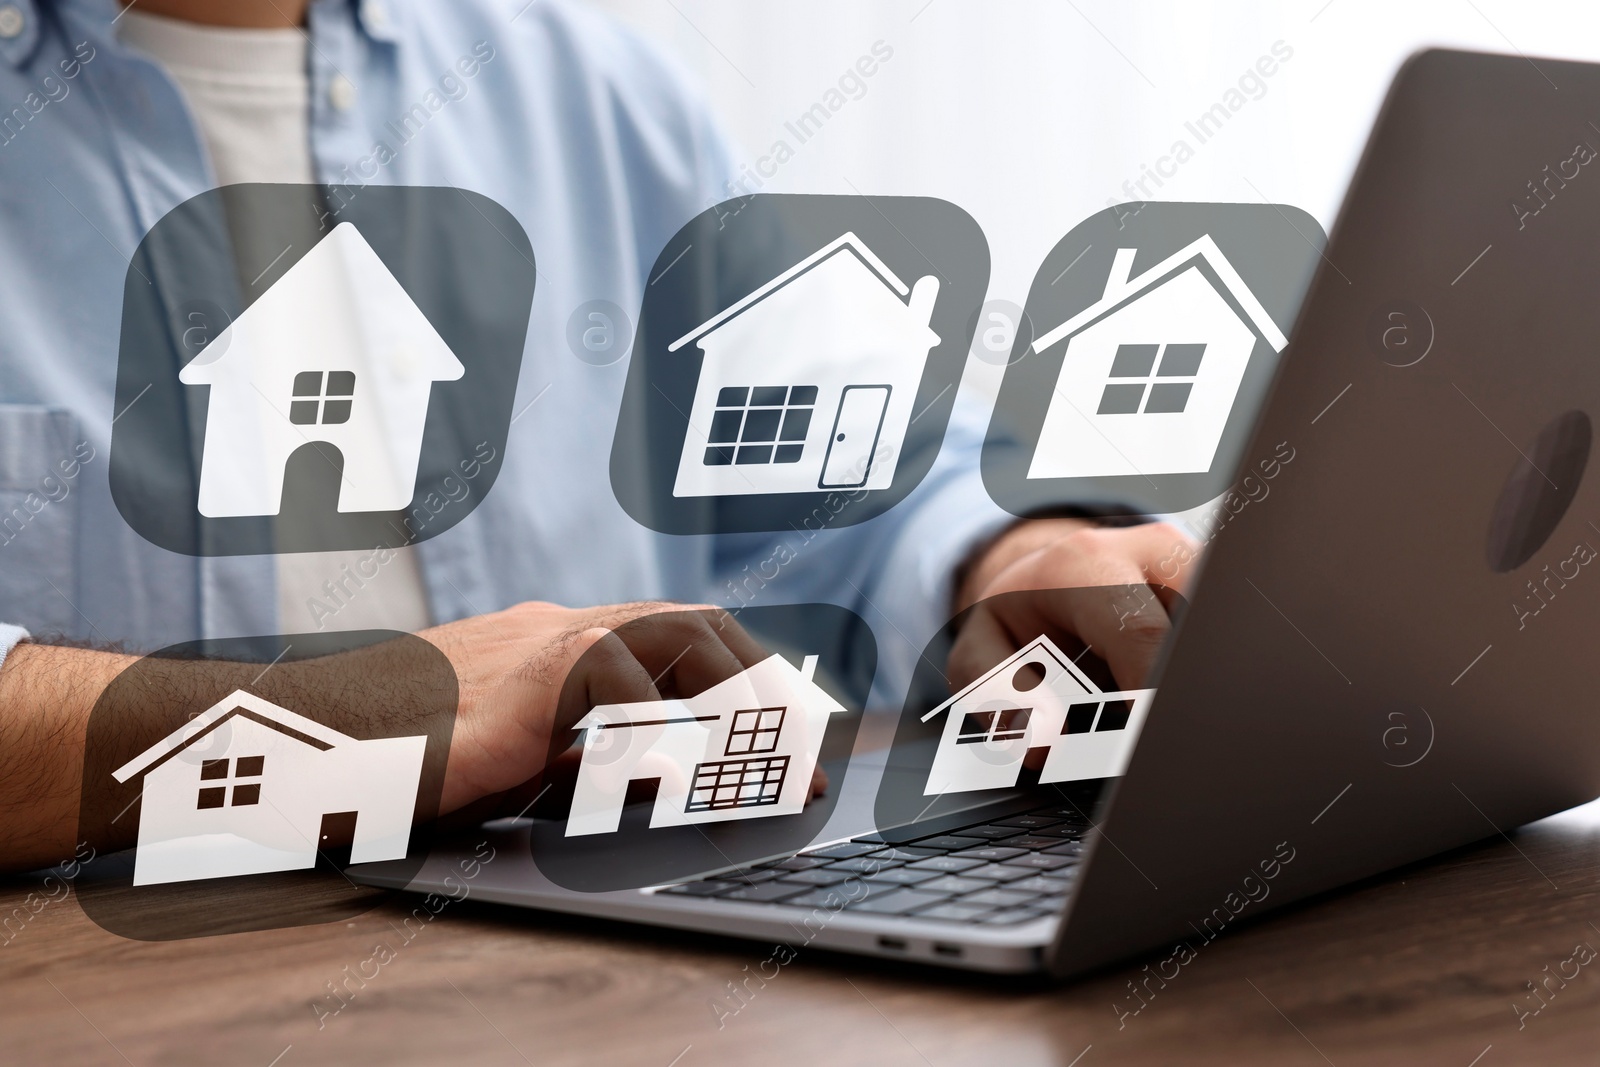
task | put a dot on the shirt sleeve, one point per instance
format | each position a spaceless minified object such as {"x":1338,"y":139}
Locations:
{"x":11,"y":637}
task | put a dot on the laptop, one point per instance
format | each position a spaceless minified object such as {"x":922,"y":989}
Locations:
{"x":1389,"y":656}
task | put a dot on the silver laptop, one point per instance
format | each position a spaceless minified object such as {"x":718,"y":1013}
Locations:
{"x":1390,"y":656}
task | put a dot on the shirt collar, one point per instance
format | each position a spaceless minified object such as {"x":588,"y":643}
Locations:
{"x":18,"y":48}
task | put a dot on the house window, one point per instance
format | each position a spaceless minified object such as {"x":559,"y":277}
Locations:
{"x":755,"y":731}
{"x":764,"y":424}
{"x":1010,"y":724}
{"x":245,"y":792}
{"x":322,"y":398}
{"x":1114,"y":715}
{"x":1139,"y":384}
{"x":737,"y":783}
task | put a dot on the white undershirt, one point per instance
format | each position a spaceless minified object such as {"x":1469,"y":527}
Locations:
{"x":251,"y":98}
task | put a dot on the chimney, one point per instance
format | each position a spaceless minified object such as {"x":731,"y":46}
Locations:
{"x":808,"y":666}
{"x":923,"y":296}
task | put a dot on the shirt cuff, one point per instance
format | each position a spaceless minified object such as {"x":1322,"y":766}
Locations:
{"x":11,"y":637}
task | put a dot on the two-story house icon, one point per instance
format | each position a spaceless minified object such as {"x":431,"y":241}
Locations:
{"x":744,"y":748}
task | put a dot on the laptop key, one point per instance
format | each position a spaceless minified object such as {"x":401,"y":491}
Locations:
{"x":992,"y":853}
{"x":1029,"y":822}
{"x":1069,"y":831}
{"x":868,"y":865}
{"x":988,"y":832}
{"x":697,"y":889}
{"x":1012,"y":916}
{"x":799,"y":863}
{"x":945,"y":842}
{"x":1039,"y":861}
{"x":955,"y":913}
{"x":818,"y":876}
{"x":900,"y":902}
{"x":1032,"y":841}
{"x":948,"y":864}
{"x":843,"y":850}
{"x":999,"y":872}
{"x":1038,"y":883}
{"x":998,"y":898}
{"x":905,"y":853}
{"x":765,"y":893}
{"x":904,"y":876}
{"x":954,"y":883}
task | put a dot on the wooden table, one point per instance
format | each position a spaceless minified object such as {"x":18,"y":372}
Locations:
{"x":1423,"y":966}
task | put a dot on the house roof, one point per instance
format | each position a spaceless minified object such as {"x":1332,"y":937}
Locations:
{"x":846,"y":239}
{"x":690,"y":709}
{"x":237,"y":701}
{"x":340,"y":276}
{"x":1120,"y":292}
{"x":1040,"y":643}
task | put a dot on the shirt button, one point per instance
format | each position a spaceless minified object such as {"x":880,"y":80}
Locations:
{"x":342,"y":93}
{"x":11,"y":20}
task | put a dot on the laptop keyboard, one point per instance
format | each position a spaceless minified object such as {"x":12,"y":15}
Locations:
{"x":1001,"y":872}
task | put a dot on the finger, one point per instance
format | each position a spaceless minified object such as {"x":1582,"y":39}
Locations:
{"x":982,"y":641}
{"x":681,"y":650}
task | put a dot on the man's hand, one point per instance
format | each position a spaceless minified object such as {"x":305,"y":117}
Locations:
{"x":1073,"y":554}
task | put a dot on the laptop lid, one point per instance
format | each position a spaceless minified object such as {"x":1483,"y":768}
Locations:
{"x":1392,"y":653}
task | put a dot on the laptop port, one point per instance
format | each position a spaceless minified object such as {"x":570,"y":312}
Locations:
{"x":896,"y":943}
{"x":942,"y":949}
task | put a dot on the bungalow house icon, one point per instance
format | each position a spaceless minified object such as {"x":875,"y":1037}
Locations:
{"x":808,"y":382}
{"x":335,"y":351}
{"x":1034,"y":698}
{"x":248,"y":787}
{"x":1150,"y":370}
{"x":743,"y":749}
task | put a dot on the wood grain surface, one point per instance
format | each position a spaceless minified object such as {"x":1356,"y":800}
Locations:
{"x":1423,"y":966}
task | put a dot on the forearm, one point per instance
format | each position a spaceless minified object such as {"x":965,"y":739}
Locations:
{"x":46,"y":695}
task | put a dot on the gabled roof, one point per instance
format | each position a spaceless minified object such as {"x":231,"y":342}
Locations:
{"x":662,"y":712}
{"x":1120,"y":292}
{"x":849,"y":239}
{"x":1049,"y":648}
{"x":342,"y":265}
{"x":286,"y":721}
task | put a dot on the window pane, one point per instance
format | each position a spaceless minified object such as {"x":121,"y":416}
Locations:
{"x":213,"y":768}
{"x":211,"y":798}
{"x":754,"y":454}
{"x":246,"y":794}
{"x":1080,"y":717}
{"x":1168,"y":397}
{"x":308,"y":383}
{"x":768,"y":395}
{"x":1115,"y":717}
{"x":803,"y":394}
{"x":336,"y":413}
{"x":1134,"y":361}
{"x":1120,"y":399}
{"x":1181,"y":361}
{"x":732,"y":397}
{"x":761,"y":424}
{"x":248,"y":766}
{"x":303,"y":412}
{"x":975,"y":727}
{"x":341,"y":383}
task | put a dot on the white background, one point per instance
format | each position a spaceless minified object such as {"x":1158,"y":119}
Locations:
{"x":1031,"y":114}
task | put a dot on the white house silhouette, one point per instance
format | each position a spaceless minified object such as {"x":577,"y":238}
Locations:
{"x":744,"y":748}
{"x":808,"y":382}
{"x":1034,"y":698}
{"x":248,"y":787}
{"x":1119,"y":410}
{"x":335,"y":351}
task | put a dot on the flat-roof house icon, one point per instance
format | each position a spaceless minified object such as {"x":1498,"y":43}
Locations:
{"x":1034,"y":698}
{"x":1150,"y":371}
{"x":744,"y":748}
{"x":335,"y":351}
{"x":808,"y":382}
{"x":248,"y":787}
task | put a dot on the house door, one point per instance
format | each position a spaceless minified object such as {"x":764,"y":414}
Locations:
{"x":855,"y":435}
{"x":333,"y":840}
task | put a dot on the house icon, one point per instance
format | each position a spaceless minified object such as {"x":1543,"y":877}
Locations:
{"x":1034,"y":698}
{"x":1150,"y":370}
{"x":335,"y":351}
{"x":248,"y":787}
{"x":745,"y":748}
{"x":808,"y":382}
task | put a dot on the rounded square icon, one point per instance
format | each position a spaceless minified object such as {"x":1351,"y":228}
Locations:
{"x":1007,"y":703}
{"x":315,"y":367}
{"x":793,"y":351}
{"x":699,"y":741}
{"x":228,"y":784}
{"x":1156,"y":329}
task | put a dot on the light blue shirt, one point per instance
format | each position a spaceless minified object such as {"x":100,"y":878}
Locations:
{"x":602,"y":152}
